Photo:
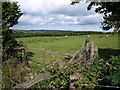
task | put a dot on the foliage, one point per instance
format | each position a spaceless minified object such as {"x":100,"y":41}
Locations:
{"x":60,"y":78}
{"x":112,"y":72}
{"x":10,"y":15}
{"x":90,"y":73}
{"x":111,"y":13}
{"x":29,"y":55}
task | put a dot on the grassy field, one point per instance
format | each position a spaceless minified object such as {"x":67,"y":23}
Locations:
{"x":48,"y":49}
{"x":68,"y":44}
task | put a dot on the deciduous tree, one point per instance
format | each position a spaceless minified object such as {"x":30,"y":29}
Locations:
{"x":111,"y":12}
{"x":10,"y":15}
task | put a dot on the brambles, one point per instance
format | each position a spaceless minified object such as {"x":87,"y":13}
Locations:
{"x":112,"y":73}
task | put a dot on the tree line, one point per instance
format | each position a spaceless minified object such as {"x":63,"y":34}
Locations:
{"x":32,"y":33}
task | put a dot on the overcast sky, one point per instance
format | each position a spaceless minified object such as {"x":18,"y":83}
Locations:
{"x":57,"y":15}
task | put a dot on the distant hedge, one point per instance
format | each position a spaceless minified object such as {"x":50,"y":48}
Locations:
{"x":32,"y":33}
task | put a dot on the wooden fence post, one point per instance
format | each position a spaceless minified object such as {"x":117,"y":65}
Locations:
{"x":33,"y":81}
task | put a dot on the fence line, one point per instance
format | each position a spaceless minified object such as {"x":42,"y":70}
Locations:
{"x":76,"y":54}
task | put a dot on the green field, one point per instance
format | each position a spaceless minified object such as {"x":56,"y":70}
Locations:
{"x":70,"y":44}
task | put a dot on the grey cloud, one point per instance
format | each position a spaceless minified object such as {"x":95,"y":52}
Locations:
{"x":59,"y":19}
{"x":36,"y":20}
{"x":79,"y":10}
{"x":91,"y":19}
{"x":53,"y":15}
{"x":79,"y":20}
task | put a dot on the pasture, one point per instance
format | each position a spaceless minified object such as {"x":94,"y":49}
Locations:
{"x":69,"y":43}
{"x":48,"y":49}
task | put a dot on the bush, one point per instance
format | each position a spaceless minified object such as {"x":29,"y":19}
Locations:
{"x":112,"y":77}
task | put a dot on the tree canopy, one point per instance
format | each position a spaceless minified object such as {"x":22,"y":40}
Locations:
{"x":10,"y":15}
{"x":111,"y":12}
